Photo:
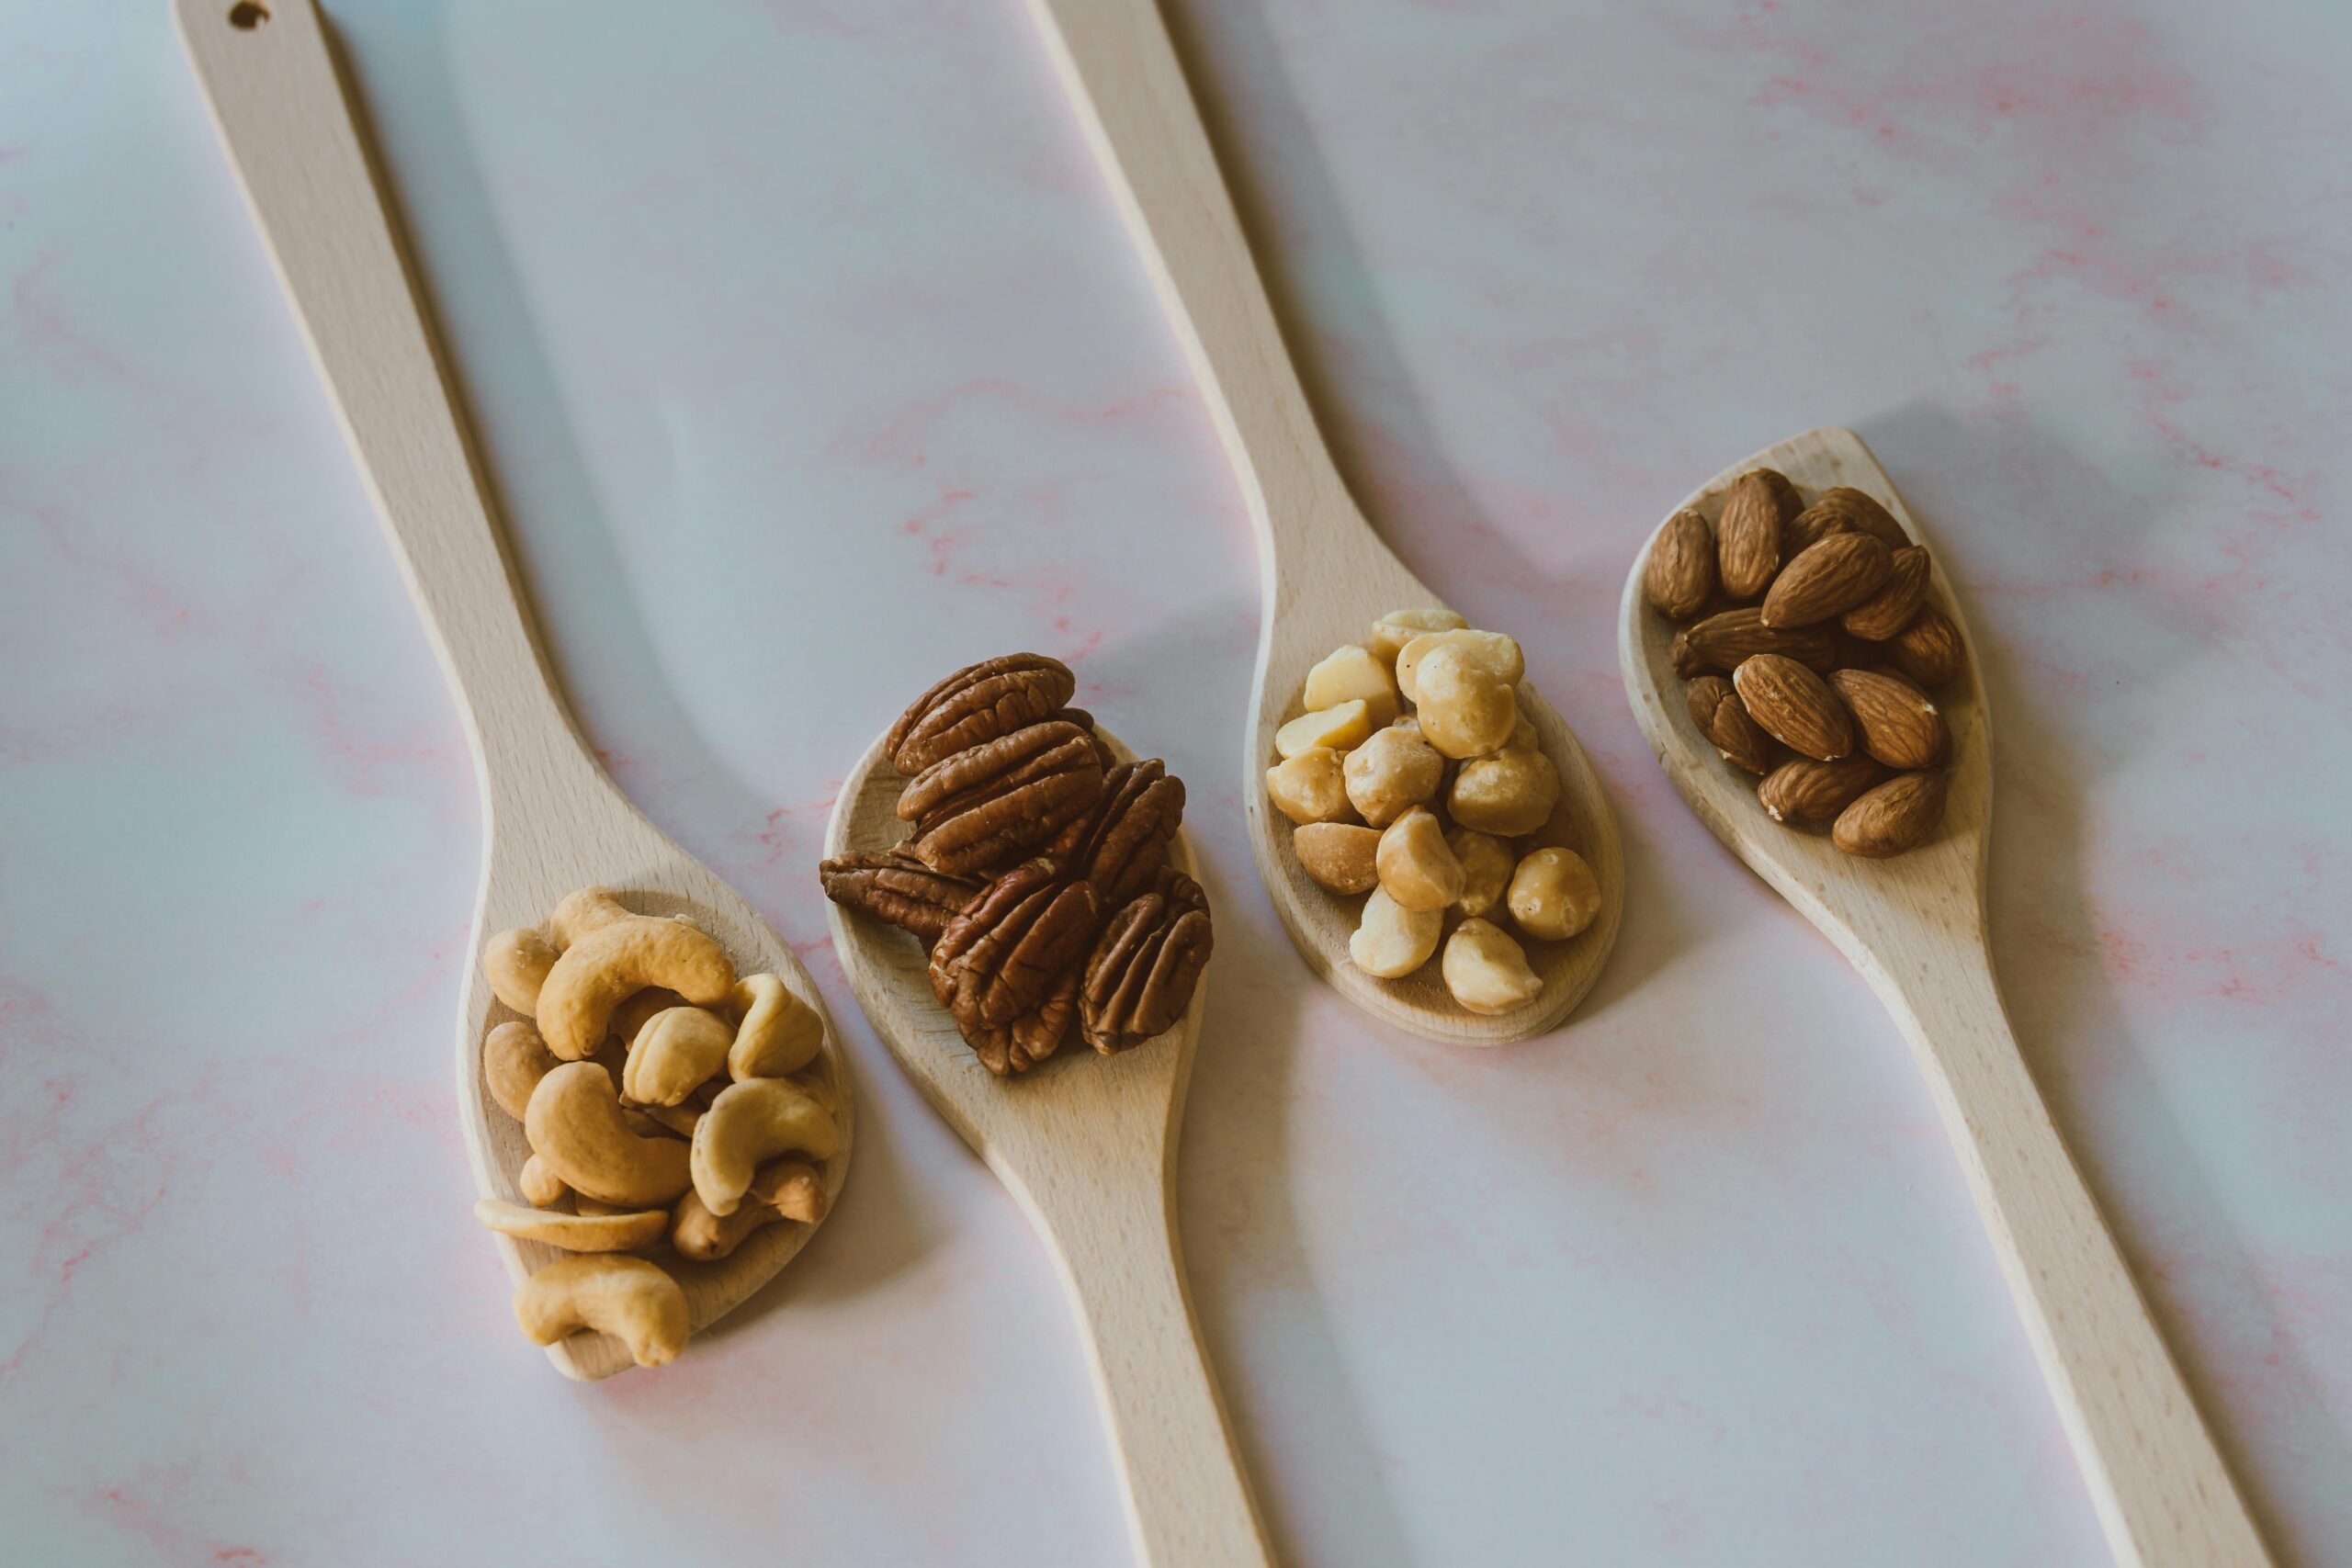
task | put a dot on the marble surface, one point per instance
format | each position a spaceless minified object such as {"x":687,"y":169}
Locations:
{"x":810,"y":360}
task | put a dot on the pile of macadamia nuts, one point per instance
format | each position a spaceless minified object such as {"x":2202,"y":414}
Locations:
{"x":1415,"y":780}
{"x":671,"y":1109}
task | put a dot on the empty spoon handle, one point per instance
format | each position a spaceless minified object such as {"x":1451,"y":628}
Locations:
{"x":295,"y":139}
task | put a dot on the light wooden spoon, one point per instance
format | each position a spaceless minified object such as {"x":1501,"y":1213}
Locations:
{"x":1326,"y":576}
{"x":552,"y":821}
{"x":1087,"y":1144}
{"x":1915,"y":926}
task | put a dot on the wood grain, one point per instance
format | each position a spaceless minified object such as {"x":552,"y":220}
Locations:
{"x":552,"y":820}
{"x":1915,"y":926}
{"x":1088,"y":1145}
{"x":1326,"y":575}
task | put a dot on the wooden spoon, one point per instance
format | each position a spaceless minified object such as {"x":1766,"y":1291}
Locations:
{"x":1915,"y":926}
{"x":1327,"y":577}
{"x":552,"y":821}
{"x":1087,"y":1144}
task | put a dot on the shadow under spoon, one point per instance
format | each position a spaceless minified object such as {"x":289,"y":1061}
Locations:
{"x":553,"y":822}
{"x":1915,"y":926}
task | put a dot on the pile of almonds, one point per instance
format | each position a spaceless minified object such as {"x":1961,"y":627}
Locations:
{"x":1810,"y":649}
{"x":1445,"y":814}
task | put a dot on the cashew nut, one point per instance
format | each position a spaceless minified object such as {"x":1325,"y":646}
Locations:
{"x":1416,"y":868}
{"x":574,"y":1233}
{"x":675,"y":1120}
{"x":541,"y":1186}
{"x":625,"y":1297}
{"x":601,"y":969}
{"x":1487,"y":971}
{"x":1485,"y":870}
{"x":749,"y":1125}
{"x":634,"y":1014}
{"x":780,"y":1033}
{"x":1338,"y":728}
{"x":581,"y":911}
{"x":1507,"y":793}
{"x":1396,"y":769}
{"x":517,"y":963}
{"x":514,"y":1060}
{"x":1310,"y":787}
{"x":1466,"y":710}
{"x":1497,"y":653}
{"x":1554,"y":895}
{"x":575,"y":1124}
{"x":1391,"y":941}
{"x":1394,"y":629}
{"x":676,"y":1054}
{"x":786,"y":1190}
{"x":1350,"y":673}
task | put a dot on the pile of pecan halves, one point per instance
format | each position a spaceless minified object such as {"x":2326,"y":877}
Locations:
{"x":1036,"y":869}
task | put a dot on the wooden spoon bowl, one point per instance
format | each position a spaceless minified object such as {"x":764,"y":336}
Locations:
{"x":552,"y":821}
{"x":1915,"y":926}
{"x":1088,"y":1145}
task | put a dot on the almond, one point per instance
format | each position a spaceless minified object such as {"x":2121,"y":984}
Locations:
{"x":1812,"y":525}
{"x":1803,"y":790}
{"x":1900,"y":724}
{"x":1720,"y":642}
{"x":1715,"y":709}
{"x":1898,"y":599}
{"x":1863,"y":514}
{"x":1896,"y":815}
{"x":1681,"y":576}
{"x":1795,"y":706}
{"x":1684,"y":657}
{"x":1928,"y":649}
{"x":1827,"y":579}
{"x":1749,"y":533}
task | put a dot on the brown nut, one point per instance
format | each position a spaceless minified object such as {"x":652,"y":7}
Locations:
{"x":1351,"y":673}
{"x":1310,"y":786}
{"x":1466,"y":709}
{"x":1416,"y":868}
{"x":985,"y":806}
{"x":1888,"y":611}
{"x":1747,"y":533}
{"x":1801,"y":790}
{"x":979,"y":702}
{"x":1121,"y":845}
{"x":1008,"y":968}
{"x":1898,"y":815}
{"x":1493,"y":650}
{"x":1795,"y":706}
{"x":1339,"y":856}
{"x":1507,"y":793}
{"x":1717,"y":709}
{"x":1826,"y":580}
{"x":1485,"y":870}
{"x":1139,"y":978}
{"x":894,"y":886}
{"x":1390,"y":941}
{"x":1396,"y":769}
{"x":1929,"y":649}
{"x":1680,"y":576}
{"x":1554,"y":895}
{"x":1900,"y":723}
{"x":1723,"y":642}
{"x":1487,"y":971}
{"x":1394,"y":629}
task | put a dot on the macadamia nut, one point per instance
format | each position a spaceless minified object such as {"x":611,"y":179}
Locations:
{"x":1493,"y":650}
{"x":1394,"y":629}
{"x":1466,"y":710}
{"x":1554,"y":895}
{"x":1341,"y":728}
{"x":1507,"y":793}
{"x":1391,"y":941}
{"x":1341,"y":856}
{"x":1349,"y":673}
{"x":1485,"y":870}
{"x":1394,"y":770}
{"x":1310,"y":787}
{"x":1416,"y":868}
{"x":1487,"y":971}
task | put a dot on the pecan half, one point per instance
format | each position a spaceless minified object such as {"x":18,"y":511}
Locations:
{"x":1140,"y":977}
{"x":894,"y":886}
{"x":976,"y":704}
{"x":989,"y":804}
{"x":1122,"y":842}
{"x":1008,"y":968}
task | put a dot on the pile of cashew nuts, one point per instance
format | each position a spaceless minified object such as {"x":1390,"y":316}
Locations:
{"x":669,"y":1107}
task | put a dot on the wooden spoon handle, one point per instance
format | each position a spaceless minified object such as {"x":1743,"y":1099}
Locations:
{"x":1188,"y":1500}
{"x":295,"y":139}
{"x":1120,"y":70}
{"x":2163,"y":1494}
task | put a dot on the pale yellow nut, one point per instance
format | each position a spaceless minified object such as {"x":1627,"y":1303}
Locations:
{"x":1523,"y":736}
{"x":625,"y":1232}
{"x":1342,"y":857}
{"x":677,"y":1121}
{"x":602,"y":968}
{"x":540,"y":1186}
{"x":1506,"y":793}
{"x":1416,"y":868}
{"x":1486,"y":867}
{"x":1487,"y":971}
{"x":1339,"y":729}
{"x":676,"y":1053}
{"x":1554,"y":895}
{"x":627,"y":1298}
{"x":514,"y":1060}
{"x":1466,"y":710}
{"x":1351,"y":673}
{"x":1391,"y":941}
{"x":1499,"y":653}
{"x":585,"y":1205}
{"x":517,"y":963}
{"x":577,"y":1127}
{"x":749,"y":1125}
{"x":1394,"y":629}
{"x":780,"y":1033}
{"x":638,"y":1010}
{"x":786,"y":1190}
{"x":581,"y":911}
{"x":1394,"y":769}
{"x":1310,"y":787}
